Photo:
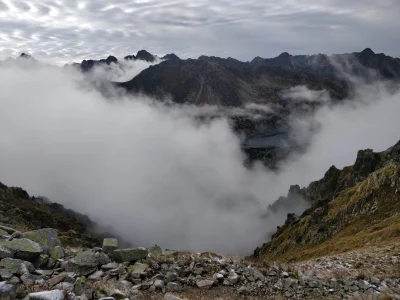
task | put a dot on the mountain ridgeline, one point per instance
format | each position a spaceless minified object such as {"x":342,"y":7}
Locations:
{"x":230,"y":82}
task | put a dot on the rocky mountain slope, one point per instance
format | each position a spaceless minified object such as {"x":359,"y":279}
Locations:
{"x":36,"y":265}
{"x":199,"y":81}
{"x":350,"y":208}
{"x":230,"y":82}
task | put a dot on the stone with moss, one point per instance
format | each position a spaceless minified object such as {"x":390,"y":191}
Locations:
{"x":110,"y":245}
{"x":16,"y":266}
{"x":129,"y":255}
{"x":24,"y":248}
{"x":47,"y":238}
{"x":5,"y":252}
{"x":87,"y":262}
{"x":155,"y":250}
{"x":57,"y":253}
{"x":138,"y":268}
{"x":83,"y":287}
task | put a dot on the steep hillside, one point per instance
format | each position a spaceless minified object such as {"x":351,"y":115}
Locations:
{"x":19,"y":210}
{"x":350,"y":208}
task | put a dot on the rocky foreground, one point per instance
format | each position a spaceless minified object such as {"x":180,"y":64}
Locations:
{"x":35,"y":266}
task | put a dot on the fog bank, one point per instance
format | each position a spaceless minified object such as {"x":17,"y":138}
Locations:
{"x":155,"y":174}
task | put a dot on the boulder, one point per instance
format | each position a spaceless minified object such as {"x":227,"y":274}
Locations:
{"x":28,"y":279}
{"x":24,"y":248}
{"x":16,"y":266}
{"x":233,"y":278}
{"x":57,"y":253}
{"x":169,"y":296}
{"x":158,"y":286}
{"x":7,"y":291}
{"x":170,"y":277}
{"x":5,"y":252}
{"x":47,"y":295}
{"x":57,"y":279}
{"x":129,"y":255}
{"x":137,"y":268}
{"x":42,"y":261}
{"x":65,"y":286}
{"x":87,"y":262}
{"x":110,"y":245}
{"x":83,"y":287}
{"x":173,"y":287}
{"x":110,"y":266}
{"x":243,"y":290}
{"x":47,"y":238}
{"x":5,"y":274}
{"x":96,"y":275}
{"x":155,"y":250}
{"x":205,"y":284}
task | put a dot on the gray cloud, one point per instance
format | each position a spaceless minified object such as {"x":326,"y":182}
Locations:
{"x":72,"y":30}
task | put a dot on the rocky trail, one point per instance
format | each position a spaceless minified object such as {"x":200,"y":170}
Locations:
{"x":35,"y":266}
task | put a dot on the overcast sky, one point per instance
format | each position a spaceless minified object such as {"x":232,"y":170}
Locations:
{"x":70,"y":30}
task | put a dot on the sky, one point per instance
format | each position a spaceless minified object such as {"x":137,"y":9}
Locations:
{"x":63,"y":31}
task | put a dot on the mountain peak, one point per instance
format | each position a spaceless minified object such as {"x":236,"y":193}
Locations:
{"x":171,"y":56}
{"x":25,"y":55}
{"x":367,"y":51}
{"x":144,"y":55}
{"x":284,"y":55}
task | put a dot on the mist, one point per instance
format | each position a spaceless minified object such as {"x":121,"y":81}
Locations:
{"x":156,"y":175}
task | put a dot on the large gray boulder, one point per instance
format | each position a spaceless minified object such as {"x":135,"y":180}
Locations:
{"x":129,"y":255}
{"x":24,"y":249}
{"x":16,"y":266}
{"x":47,"y":295}
{"x":87,"y":262}
{"x":47,"y":238}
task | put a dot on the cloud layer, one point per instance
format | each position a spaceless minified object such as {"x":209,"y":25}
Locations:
{"x":65,"y":31}
{"x":152,"y":172}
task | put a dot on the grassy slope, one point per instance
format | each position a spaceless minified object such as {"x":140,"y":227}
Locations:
{"x":365,"y":214}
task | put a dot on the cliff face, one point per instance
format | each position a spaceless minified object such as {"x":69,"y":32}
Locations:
{"x":350,"y":208}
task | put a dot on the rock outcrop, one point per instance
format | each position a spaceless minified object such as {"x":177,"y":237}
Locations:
{"x":350,"y":208}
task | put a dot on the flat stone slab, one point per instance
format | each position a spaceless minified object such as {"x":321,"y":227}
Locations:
{"x":129,"y":255}
{"x":110,"y":245}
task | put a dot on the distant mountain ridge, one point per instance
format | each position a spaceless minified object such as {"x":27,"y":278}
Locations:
{"x":230,"y":82}
{"x":88,"y":65}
